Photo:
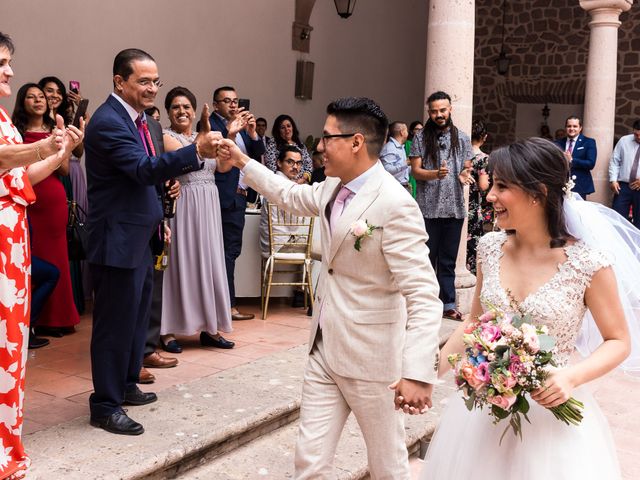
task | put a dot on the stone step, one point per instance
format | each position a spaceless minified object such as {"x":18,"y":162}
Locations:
{"x":270,"y":457}
{"x":211,"y":415}
{"x":189,"y":425}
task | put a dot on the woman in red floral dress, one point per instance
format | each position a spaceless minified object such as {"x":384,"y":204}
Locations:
{"x":15,"y":261}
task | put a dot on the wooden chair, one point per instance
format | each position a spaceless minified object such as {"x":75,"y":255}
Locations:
{"x":290,"y":240}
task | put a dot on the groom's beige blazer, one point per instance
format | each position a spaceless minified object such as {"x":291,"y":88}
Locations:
{"x":380,"y":308}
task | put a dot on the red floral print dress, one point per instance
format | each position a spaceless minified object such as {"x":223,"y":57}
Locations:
{"x":15,"y":301}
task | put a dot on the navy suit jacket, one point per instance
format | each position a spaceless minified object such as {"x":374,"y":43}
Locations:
{"x":227,"y":182}
{"x":584,"y":159}
{"x":124,"y":211}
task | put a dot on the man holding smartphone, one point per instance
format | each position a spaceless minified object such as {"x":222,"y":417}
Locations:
{"x":239,"y":125}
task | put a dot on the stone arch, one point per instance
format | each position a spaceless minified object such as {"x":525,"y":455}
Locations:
{"x":569,"y":92}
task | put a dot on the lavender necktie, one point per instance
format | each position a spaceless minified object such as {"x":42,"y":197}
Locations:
{"x":338,"y":206}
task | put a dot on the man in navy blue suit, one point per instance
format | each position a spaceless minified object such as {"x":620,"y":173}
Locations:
{"x":239,"y":126}
{"x":581,"y":152}
{"x":124,"y":213}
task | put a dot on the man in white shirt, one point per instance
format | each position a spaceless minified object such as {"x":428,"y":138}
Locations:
{"x":624,"y":176}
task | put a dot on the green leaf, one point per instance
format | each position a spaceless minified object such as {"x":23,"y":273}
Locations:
{"x":517,"y":321}
{"x":547,"y":342}
{"x":470,"y":402}
{"x":357,"y":245}
{"x":500,"y":350}
{"x":522,"y":405}
{"x":499,"y":412}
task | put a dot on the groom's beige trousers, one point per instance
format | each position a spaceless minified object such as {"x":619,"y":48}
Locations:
{"x":327,"y":400}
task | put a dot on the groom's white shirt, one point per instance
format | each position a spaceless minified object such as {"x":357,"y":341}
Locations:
{"x":380,"y":308}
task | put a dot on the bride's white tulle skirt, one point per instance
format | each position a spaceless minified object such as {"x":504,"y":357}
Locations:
{"x":466,"y":446}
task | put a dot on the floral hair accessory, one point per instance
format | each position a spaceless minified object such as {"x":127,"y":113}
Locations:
{"x":361,"y":229}
{"x":568,"y":187}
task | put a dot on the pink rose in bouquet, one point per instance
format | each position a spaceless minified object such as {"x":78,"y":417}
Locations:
{"x":504,"y":401}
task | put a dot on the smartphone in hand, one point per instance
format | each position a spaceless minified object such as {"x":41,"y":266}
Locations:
{"x":81,"y":112}
{"x":244,"y":103}
{"x":74,"y":86}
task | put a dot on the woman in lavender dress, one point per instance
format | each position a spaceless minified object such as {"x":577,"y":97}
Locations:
{"x":195,"y":294}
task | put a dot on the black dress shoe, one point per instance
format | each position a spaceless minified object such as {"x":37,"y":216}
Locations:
{"x":118,"y":423}
{"x":36,"y":342}
{"x":207,"y":340}
{"x":172,"y":346}
{"x":138,"y":397}
{"x":55,"y":332}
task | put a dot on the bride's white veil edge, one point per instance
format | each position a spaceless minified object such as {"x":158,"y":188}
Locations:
{"x":604,"y":229}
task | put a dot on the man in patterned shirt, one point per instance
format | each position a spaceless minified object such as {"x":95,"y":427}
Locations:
{"x":440,"y":155}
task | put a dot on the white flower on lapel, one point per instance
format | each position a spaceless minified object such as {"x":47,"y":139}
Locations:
{"x":361,"y":229}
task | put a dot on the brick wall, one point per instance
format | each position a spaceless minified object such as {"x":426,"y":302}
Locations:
{"x":548,"y":47}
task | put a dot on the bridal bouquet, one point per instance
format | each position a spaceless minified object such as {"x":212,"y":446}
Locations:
{"x":505,"y":358}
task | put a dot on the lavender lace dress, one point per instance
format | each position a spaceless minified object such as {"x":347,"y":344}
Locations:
{"x":466,"y":444}
{"x":195,"y":294}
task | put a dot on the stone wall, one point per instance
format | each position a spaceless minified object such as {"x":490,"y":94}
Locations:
{"x":548,"y":47}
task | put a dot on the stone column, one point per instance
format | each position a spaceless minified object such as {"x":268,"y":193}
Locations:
{"x":450,"y":55}
{"x":600,"y":91}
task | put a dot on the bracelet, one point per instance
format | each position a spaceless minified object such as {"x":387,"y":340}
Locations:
{"x":56,"y":168}
{"x":38,"y":155}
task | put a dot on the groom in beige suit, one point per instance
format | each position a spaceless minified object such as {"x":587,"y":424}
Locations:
{"x":377,"y":311}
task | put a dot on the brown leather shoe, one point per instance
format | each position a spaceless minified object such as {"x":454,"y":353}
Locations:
{"x":155,"y":360}
{"x":146,"y":376}
{"x":241,"y":316}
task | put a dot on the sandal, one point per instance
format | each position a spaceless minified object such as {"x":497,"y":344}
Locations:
{"x":452,"y":314}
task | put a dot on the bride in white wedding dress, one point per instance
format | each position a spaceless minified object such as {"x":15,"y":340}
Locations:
{"x":540,"y":264}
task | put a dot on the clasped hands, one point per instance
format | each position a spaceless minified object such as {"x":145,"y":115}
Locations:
{"x":412,"y":396}
{"x":63,"y":140}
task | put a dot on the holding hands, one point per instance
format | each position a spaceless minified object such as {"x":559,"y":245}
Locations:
{"x":412,"y":396}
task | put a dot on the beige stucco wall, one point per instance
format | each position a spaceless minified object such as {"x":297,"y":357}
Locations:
{"x":202,"y":44}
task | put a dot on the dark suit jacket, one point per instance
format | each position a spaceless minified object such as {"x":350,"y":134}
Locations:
{"x":124,"y":211}
{"x":584,"y":159}
{"x":227,"y":182}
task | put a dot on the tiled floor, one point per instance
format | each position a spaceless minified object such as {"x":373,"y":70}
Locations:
{"x":59,"y":376}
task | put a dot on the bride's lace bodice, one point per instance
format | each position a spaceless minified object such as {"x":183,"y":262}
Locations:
{"x":206,"y":174}
{"x":558,"y":304}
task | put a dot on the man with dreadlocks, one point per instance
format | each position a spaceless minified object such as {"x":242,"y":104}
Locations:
{"x":440,"y":156}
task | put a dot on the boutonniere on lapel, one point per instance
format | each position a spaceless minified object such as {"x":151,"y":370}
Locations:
{"x":361,"y":229}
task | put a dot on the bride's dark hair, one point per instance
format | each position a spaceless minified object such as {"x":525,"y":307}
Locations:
{"x":538,"y":167}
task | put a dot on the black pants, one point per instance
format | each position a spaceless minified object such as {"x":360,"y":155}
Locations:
{"x":624,"y":200}
{"x":155,"y":317}
{"x":120,"y":321}
{"x":443,"y":243}
{"x":232,"y":227}
{"x":44,"y":278}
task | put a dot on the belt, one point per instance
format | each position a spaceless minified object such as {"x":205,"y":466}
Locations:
{"x":241,"y":191}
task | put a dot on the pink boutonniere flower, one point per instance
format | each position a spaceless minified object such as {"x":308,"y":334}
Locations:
{"x":361,"y":229}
